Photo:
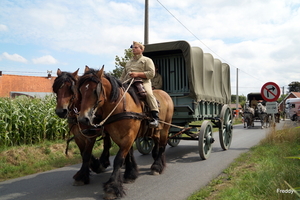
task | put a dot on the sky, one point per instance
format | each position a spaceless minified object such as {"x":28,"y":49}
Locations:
{"x":260,"y":40}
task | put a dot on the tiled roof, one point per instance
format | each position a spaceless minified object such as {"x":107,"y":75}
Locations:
{"x":297,"y":94}
{"x":17,"y":83}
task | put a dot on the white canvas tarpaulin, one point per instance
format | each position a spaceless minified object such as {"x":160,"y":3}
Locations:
{"x":209,"y":78}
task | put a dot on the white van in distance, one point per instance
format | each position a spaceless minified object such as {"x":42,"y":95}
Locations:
{"x":292,"y":106}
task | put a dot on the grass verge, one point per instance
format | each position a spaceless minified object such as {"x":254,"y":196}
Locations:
{"x":265,"y":172}
{"x":29,"y":159}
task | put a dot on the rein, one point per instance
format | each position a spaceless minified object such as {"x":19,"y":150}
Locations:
{"x":103,"y":121}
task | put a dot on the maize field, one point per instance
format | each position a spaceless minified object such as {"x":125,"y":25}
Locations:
{"x":26,"y":121}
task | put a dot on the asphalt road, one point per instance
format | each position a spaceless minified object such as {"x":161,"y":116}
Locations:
{"x":185,"y":173}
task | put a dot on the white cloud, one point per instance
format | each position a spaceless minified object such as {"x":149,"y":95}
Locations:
{"x":3,"y":27}
{"x":258,"y":37}
{"x":14,"y":57}
{"x":45,"y":60}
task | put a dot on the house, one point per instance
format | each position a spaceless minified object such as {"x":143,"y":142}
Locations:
{"x":290,"y":95}
{"x":34,"y":86}
{"x":233,"y":108}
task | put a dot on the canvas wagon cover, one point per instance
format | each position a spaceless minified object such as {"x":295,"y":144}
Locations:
{"x":209,"y":78}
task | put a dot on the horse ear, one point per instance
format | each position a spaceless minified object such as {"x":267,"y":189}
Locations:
{"x":86,"y":68}
{"x":101,"y":72}
{"x":58,"y":72}
{"x":75,"y":74}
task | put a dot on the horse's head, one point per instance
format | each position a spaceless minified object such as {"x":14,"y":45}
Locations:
{"x":261,"y":108}
{"x":91,"y":94}
{"x":64,"y":87}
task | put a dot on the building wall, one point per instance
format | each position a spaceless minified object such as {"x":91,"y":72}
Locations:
{"x":290,"y":95}
{"x":18,"y":83}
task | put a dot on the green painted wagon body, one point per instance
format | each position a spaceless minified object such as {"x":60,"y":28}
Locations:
{"x":198,"y":84}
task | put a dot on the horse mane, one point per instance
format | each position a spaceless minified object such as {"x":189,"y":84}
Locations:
{"x":116,"y":84}
{"x":60,"y":80}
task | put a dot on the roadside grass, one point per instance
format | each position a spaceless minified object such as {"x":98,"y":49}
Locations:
{"x":29,"y":159}
{"x":264,"y":172}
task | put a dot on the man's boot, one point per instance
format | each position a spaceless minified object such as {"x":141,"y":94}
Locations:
{"x":154,"y":122}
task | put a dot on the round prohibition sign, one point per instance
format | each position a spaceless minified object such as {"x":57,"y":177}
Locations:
{"x":270,"y":91}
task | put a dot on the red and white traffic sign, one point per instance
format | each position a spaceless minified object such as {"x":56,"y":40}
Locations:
{"x":270,"y":91}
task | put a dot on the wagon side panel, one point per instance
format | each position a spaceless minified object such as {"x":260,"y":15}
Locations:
{"x":226,"y":86}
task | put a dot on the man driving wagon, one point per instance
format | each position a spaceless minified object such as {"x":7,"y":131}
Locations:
{"x":142,"y":67}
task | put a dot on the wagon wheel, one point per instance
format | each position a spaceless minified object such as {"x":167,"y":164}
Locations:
{"x":144,"y":145}
{"x":173,"y":142}
{"x":205,"y":139}
{"x":225,"y":130}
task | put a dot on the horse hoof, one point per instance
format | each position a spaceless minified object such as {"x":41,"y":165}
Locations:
{"x":154,"y":173}
{"x":109,"y":196}
{"x":78,"y":183}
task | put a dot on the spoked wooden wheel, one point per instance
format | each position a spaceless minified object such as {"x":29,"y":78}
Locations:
{"x":225,"y":130}
{"x":205,"y":139}
{"x":173,"y":142}
{"x":144,"y":145}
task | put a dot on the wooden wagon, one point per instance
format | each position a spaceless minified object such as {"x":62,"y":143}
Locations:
{"x":200,"y":88}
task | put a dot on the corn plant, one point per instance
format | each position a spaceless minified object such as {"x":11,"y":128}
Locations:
{"x":25,"y":120}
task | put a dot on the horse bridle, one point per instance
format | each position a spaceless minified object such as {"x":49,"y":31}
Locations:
{"x":73,"y":89}
{"x":99,"y":90}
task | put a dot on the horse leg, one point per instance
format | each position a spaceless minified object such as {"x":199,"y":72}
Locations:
{"x":99,"y":165}
{"x":262,"y":122}
{"x":158,"y":153}
{"x":81,"y":144}
{"x":113,"y":188}
{"x":83,"y":175}
{"x":104,"y":159}
{"x":248,"y":122}
{"x":131,"y":169}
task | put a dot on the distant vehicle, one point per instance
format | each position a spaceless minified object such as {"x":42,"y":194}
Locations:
{"x":259,"y":113}
{"x":291,"y":108}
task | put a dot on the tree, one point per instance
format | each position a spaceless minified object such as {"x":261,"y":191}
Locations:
{"x":120,"y":63}
{"x":294,"y":86}
{"x":280,"y":99}
{"x":242,"y":98}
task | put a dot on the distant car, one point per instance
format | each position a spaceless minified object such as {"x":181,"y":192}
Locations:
{"x":292,"y":108}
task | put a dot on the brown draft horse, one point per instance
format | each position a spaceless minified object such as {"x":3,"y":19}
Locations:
{"x":65,"y":88}
{"x":102,"y":96}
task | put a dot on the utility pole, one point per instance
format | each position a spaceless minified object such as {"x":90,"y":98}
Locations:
{"x":237,"y":92}
{"x":146,"y":25}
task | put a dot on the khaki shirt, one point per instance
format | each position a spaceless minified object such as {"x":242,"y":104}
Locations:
{"x":253,"y":103}
{"x":139,"y":64}
{"x":142,"y":64}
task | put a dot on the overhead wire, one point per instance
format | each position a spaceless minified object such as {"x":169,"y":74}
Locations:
{"x":202,"y":41}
